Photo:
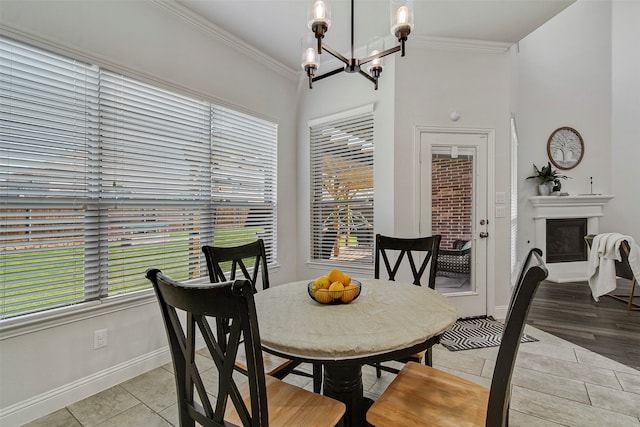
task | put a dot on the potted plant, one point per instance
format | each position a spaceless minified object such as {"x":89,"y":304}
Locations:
{"x":548,"y":179}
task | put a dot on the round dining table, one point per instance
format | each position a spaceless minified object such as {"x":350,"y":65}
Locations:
{"x":387,"y":321}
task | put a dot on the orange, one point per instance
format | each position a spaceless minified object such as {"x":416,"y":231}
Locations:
{"x":323,"y":296}
{"x":349,"y":294}
{"x":336,"y":289}
{"x":336,"y":275}
{"x":347,"y":279}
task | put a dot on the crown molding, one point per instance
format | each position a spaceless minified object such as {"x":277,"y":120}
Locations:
{"x":446,"y":43}
{"x":225,"y":37}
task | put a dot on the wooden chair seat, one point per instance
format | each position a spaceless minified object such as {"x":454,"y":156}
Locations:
{"x":284,"y":402}
{"x":254,"y":399}
{"x":273,"y":365}
{"x":424,"y":396}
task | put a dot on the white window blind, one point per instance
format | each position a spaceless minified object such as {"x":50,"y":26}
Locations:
{"x":102,"y":177}
{"x":342,"y":189}
{"x":244,"y":169}
{"x":155,"y":181}
{"x":48,"y":132}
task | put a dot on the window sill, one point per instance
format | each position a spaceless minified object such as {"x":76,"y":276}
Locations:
{"x":29,"y":323}
{"x":345,"y":266}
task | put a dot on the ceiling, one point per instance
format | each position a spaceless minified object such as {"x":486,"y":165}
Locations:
{"x":275,"y":27}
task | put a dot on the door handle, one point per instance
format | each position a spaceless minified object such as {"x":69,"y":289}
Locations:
{"x":484,"y":234}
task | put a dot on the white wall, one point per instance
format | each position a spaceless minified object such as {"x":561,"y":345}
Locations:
{"x":564,"y":79}
{"x":432,"y":81}
{"x":622,"y":214}
{"x":55,"y":364}
{"x":333,"y":95}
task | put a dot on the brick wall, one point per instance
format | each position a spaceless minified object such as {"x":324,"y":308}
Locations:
{"x":452,"y":189}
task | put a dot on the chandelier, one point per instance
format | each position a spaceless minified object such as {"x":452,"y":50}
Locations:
{"x":319,"y":21}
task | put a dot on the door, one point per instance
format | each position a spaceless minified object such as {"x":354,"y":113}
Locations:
{"x":453,"y":203}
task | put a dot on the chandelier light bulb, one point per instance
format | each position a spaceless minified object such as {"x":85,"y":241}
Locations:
{"x":319,"y":17}
{"x":376,"y":62}
{"x":309,"y":58}
{"x":403,"y":15}
{"x":319,"y":11}
{"x":401,"y":18}
{"x":375,"y":46}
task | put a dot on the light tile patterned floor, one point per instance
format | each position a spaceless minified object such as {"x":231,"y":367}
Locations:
{"x":555,"y":383}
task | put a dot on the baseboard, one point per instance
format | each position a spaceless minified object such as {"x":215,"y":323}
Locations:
{"x":500,"y":312}
{"x":58,"y":398}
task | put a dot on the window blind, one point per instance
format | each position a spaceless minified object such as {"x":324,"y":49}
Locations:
{"x":48,"y":130}
{"x":103,"y":176}
{"x":244,"y":166}
{"x":342,"y":189}
{"x":155,"y":181}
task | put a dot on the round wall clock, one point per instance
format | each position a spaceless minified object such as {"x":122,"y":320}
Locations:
{"x":565,"y":148}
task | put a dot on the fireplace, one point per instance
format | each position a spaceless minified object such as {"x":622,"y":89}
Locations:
{"x":561,"y":222}
{"x":565,"y":240}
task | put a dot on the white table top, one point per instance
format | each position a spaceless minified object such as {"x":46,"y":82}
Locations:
{"x":386,"y":316}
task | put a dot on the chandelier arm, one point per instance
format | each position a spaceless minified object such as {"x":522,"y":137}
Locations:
{"x":365,"y":74}
{"x":335,"y":54}
{"x":381,"y":54}
{"x":328,"y":74}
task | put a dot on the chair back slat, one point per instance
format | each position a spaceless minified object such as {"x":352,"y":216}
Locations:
{"x":532,"y":273}
{"x":239,"y":257}
{"x":231,"y":301}
{"x":425,"y":246}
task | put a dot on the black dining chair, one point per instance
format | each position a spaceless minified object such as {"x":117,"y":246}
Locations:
{"x":411,"y":249}
{"x":256,"y":400}
{"x":223,"y":263}
{"x":438,"y":398}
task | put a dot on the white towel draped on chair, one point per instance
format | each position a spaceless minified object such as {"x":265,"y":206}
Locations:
{"x":605,"y":250}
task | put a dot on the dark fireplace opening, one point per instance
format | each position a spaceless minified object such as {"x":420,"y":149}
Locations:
{"x":565,"y":240}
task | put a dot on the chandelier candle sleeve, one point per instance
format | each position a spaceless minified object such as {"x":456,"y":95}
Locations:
{"x":401,"y":20}
{"x":319,"y":20}
{"x":374,"y":47}
{"x":309,"y":59}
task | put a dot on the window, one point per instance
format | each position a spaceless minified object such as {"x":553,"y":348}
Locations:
{"x":244,"y":179}
{"x":102,"y":176}
{"x":342,"y":188}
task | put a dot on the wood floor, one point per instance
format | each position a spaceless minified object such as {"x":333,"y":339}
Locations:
{"x":568,"y":311}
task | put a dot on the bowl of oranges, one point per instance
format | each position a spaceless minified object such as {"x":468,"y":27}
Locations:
{"x":334,"y":288}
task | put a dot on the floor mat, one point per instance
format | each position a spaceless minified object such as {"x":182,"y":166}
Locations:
{"x":476,"y":332}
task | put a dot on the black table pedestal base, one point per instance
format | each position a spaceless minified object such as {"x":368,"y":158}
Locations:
{"x":344,"y":383}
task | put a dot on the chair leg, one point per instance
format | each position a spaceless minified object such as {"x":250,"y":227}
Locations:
{"x":317,"y":377}
{"x":428,"y":357}
{"x":631,"y":306}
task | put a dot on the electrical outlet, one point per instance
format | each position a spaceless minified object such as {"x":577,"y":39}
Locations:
{"x":99,"y":339}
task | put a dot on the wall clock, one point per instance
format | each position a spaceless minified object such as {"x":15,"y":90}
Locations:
{"x":565,"y":148}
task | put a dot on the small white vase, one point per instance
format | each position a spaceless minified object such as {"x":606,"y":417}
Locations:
{"x":544,"y":189}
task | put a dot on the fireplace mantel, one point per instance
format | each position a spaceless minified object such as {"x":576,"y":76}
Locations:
{"x":589,"y":206}
{"x":583,"y":206}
